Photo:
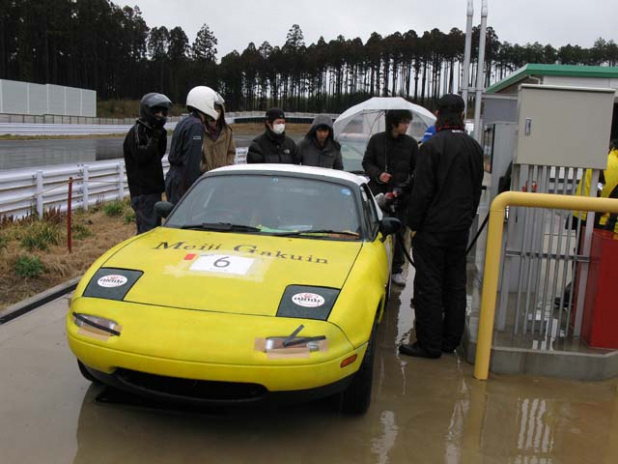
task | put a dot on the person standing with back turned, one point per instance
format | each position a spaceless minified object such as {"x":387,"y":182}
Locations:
{"x":186,"y":150}
{"x":445,"y":197}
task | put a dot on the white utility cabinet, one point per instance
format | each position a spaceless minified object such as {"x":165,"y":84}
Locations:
{"x":564,"y":126}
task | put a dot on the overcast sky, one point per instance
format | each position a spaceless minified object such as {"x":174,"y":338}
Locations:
{"x":235,"y":23}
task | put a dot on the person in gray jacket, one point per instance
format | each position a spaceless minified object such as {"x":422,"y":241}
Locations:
{"x":319,"y":148}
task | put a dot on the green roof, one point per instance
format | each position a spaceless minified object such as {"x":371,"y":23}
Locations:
{"x":565,"y":70}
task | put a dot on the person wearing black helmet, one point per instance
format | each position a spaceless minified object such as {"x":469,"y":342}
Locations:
{"x":389,"y":161}
{"x":143,"y":148}
{"x":273,"y":146}
{"x":443,"y":204}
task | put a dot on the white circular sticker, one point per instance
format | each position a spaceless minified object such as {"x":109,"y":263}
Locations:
{"x":112,"y":280}
{"x":308,"y":300}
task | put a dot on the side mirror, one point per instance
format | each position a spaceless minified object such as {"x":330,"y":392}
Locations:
{"x":163,"y":208}
{"x":388,"y":226}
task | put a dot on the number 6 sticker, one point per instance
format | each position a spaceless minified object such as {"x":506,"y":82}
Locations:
{"x":225,"y":264}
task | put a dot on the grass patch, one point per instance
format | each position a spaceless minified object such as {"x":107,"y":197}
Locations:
{"x":80,"y":231}
{"x":117,"y":108}
{"x":129,"y":217}
{"x":114,"y":208}
{"x":40,"y":235}
{"x":28,"y":266}
{"x":94,"y":233}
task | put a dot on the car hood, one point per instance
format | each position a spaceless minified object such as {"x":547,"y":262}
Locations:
{"x":227,"y":272}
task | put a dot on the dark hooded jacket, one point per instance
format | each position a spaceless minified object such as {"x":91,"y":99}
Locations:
{"x":310,"y":153}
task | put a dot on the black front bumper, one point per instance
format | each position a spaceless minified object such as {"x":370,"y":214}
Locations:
{"x":209,"y":393}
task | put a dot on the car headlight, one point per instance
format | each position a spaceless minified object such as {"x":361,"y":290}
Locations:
{"x":95,"y":324}
{"x":307,"y":302}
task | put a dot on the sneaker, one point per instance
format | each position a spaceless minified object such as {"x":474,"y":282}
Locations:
{"x":399,"y":279}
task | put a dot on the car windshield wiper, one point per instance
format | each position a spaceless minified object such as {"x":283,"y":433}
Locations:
{"x":222,"y":227}
{"x":317,"y":231}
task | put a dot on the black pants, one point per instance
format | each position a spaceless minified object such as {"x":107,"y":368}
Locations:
{"x":145,"y":216}
{"x":440,"y":289}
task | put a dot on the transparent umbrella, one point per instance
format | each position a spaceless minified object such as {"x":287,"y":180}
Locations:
{"x":354,"y":127}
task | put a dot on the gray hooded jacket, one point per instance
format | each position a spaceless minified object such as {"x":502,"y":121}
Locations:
{"x":311,"y":154}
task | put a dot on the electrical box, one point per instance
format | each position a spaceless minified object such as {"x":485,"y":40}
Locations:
{"x":564,"y":126}
{"x":498,"y":149}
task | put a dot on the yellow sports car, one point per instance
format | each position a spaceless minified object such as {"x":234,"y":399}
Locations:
{"x":266,"y":282}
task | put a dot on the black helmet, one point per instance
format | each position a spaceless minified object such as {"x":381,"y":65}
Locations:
{"x":152,"y":103}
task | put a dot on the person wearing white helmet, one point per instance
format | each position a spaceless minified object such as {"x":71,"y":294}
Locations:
{"x":219,"y":148}
{"x":143,"y":148}
{"x":185,"y":156}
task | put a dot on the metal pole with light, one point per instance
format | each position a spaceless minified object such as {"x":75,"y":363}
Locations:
{"x":480,"y":75}
{"x":465,"y":85}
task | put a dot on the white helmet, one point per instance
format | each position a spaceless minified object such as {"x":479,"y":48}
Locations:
{"x":204,"y":99}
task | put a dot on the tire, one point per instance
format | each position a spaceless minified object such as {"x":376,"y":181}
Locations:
{"x":388,"y":290}
{"x":356,"y":398}
{"x":85,"y":372}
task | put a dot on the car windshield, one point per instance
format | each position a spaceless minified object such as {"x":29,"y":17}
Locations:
{"x":268,"y":204}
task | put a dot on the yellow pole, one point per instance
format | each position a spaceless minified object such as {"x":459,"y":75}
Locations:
{"x":494,"y":251}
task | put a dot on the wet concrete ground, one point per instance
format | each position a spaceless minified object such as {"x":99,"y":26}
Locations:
{"x":423,"y":411}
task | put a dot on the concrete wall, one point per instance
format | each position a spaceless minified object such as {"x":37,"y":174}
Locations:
{"x":36,"y":99}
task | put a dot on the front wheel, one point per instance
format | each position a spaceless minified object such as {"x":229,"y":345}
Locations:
{"x":356,"y":398}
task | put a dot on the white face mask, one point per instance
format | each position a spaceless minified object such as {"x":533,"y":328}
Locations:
{"x":278,"y":128}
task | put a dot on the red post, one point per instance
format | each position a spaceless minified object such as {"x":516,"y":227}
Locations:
{"x":69,"y":211}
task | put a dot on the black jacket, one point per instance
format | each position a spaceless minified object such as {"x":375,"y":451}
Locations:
{"x":272,"y":148}
{"x":185,"y":157}
{"x":397,"y":156}
{"x":448,"y":180}
{"x":143,"y":149}
{"x":312,"y":154}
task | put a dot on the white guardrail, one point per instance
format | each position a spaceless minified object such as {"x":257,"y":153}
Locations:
{"x":26,"y":192}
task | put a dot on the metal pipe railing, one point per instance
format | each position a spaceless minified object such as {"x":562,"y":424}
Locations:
{"x":493,"y":255}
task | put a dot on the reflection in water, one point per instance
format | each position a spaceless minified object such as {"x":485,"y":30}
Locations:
{"x":455,"y":435}
{"x":384,"y":443}
{"x":535,"y":437}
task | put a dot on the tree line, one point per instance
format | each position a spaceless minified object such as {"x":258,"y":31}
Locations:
{"x":96,"y":44}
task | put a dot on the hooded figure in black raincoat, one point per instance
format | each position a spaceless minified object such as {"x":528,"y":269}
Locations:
{"x":319,"y":148}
